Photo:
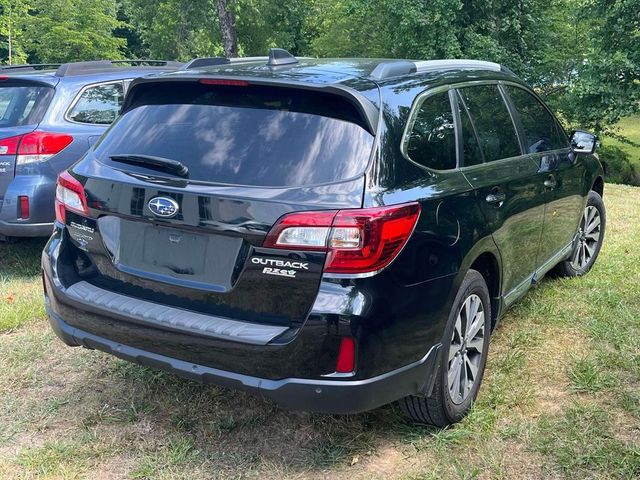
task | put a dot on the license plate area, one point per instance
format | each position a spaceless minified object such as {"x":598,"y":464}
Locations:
{"x":178,"y":257}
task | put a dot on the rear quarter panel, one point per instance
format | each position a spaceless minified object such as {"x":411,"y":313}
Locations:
{"x":403,"y":311}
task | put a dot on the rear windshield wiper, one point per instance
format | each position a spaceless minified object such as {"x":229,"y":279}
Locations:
{"x":157,"y":163}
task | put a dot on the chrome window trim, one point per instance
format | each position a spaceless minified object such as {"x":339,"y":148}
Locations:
{"x":76,"y":99}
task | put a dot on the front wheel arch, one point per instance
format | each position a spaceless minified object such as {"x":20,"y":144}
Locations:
{"x":598,"y":186}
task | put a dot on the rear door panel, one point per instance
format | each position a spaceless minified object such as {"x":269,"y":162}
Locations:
{"x":517,"y":221}
{"x":565,"y":201}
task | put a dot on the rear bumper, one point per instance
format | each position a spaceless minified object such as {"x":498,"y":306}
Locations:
{"x":325,"y":396}
{"x":24,"y":229}
{"x":40,"y":189}
{"x":394,"y":359}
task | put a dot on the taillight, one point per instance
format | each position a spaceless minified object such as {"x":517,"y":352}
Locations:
{"x":40,"y":146}
{"x":70,"y":195}
{"x":356,"y":240}
{"x":9,"y":146}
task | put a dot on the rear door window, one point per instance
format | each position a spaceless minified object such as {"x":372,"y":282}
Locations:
{"x":493,"y":124}
{"x":542,"y":132}
{"x":23,"y":105}
{"x":432,"y":139}
{"x":472,"y":154}
{"x":98,"y":104}
{"x":256,"y":136}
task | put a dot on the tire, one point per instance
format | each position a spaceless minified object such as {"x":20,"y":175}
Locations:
{"x":590,"y":237}
{"x":443,"y":407}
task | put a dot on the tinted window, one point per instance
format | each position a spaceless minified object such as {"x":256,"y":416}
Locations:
{"x":541,"y":130}
{"x":99,"y":104}
{"x":472,"y":155}
{"x":432,"y":141}
{"x":23,"y":105}
{"x":244,"y":135}
{"x":492,"y":121}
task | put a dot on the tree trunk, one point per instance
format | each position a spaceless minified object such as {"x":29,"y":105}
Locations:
{"x":228,"y":28}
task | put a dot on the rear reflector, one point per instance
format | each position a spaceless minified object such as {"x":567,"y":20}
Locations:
{"x":70,"y":195}
{"x":224,"y":82}
{"x":23,"y":206}
{"x":3,"y":78}
{"x":346,"y":362}
{"x":356,"y":241}
{"x":40,"y":146}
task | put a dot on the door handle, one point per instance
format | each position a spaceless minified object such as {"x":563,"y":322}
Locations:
{"x":496,"y":197}
{"x":551,"y":182}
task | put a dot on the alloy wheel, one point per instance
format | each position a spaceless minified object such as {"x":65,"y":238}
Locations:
{"x":588,"y":238}
{"x":466,"y":349}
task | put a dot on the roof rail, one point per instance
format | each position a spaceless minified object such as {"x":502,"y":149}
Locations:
{"x":29,"y":66}
{"x":215,"y":61}
{"x":151,"y":63}
{"x":77,"y":68}
{"x":461,"y":64}
{"x":395,"y":68}
{"x":279,"y":57}
{"x":205,"y":62}
{"x":81,"y":68}
{"x":248,"y":59}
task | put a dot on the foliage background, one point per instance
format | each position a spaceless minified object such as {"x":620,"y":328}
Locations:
{"x":582,"y":55}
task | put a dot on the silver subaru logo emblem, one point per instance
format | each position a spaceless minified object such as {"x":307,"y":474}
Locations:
{"x":163,"y":207}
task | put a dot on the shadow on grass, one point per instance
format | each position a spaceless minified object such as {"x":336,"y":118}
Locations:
{"x":226,"y":429}
{"x":21,"y":259}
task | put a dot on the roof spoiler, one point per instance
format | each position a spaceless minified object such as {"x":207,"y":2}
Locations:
{"x":368,"y":111}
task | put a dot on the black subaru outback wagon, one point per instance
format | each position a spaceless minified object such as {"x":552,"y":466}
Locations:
{"x":334,"y":235}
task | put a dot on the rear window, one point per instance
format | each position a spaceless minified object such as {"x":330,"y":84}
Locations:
{"x":432,"y":141}
{"x":257,"y":136}
{"x":23,"y":105}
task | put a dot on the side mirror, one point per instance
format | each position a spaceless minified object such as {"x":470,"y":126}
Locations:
{"x":583,"y":142}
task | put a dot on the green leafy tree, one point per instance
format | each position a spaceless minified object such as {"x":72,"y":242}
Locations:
{"x":135,"y":47}
{"x":606,"y":86}
{"x":263,"y":24}
{"x":387,"y":28}
{"x":71,"y":30}
{"x":174,"y":29}
{"x":11,"y":34}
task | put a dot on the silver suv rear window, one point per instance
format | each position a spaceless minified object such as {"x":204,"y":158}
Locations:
{"x":23,"y":105}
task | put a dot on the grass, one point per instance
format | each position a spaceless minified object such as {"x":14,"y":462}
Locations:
{"x":560,"y":398}
{"x":630,"y":128}
{"x":20,"y":296}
